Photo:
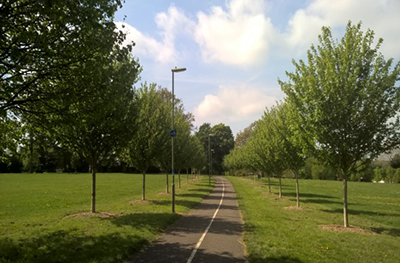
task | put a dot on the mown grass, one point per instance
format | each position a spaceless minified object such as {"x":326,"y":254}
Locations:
{"x":274,"y":234}
{"x":34,"y":210}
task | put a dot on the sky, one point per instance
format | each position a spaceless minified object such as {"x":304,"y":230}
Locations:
{"x":236,"y":50}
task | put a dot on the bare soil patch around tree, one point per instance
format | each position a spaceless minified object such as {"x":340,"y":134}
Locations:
{"x":342,"y":229}
{"x":99,"y":214}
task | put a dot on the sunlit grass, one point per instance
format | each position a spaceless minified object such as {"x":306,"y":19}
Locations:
{"x":274,"y":234}
{"x":35,"y":209}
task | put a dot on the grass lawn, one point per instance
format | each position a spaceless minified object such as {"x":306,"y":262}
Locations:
{"x":35,"y":225}
{"x":275,"y":234}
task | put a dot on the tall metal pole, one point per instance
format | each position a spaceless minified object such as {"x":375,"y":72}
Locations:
{"x":173,"y":133}
{"x":173,"y":128}
{"x":209,"y":161}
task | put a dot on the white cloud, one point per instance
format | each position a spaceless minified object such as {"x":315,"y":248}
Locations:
{"x":241,"y":33}
{"x":382,"y":16}
{"x":147,"y":46}
{"x":233,"y":105}
{"x":170,"y":25}
{"x":240,"y":36}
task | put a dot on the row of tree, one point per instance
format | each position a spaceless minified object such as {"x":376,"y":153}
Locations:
{"x":341,"y":108}
{"x":68,"y":101}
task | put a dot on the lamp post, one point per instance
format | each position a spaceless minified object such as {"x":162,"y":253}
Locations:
{"x":173,"y":133}
{"x":211,"y":154}
{"x":209,"y":158}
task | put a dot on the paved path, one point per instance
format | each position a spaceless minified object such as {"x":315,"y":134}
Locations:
{"x":210,"y":233}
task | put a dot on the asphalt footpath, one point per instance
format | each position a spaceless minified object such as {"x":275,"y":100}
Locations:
{"x":212,"y":232}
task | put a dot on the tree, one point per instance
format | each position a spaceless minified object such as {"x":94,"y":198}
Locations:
{"x":272,"y":145}
{"x":243,"y":136}
{"x":42,"y":41}
{"x":198,"y":158}
{"x":222,"y":143}
{"x":395,"y":161}
{"x":345,"y":101}
{"x":291,"y":153}
{"x":202,"y":134}
{"x":182,"y":142}
{"x":149,"y":137}
{"x":10,"y":131}
{"x":100,"y":120}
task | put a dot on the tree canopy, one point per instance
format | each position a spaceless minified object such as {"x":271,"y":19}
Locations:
{"x":345,"y":101}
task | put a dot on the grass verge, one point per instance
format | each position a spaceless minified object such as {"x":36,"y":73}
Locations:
{"x":36,"y":223}
{"x":275,"y":234}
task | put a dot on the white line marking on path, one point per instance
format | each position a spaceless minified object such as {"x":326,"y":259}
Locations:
{"x":208,"y":227}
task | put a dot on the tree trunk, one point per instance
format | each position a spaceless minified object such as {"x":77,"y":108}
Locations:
{"x":297,"y":189}
{"x":144,"y":186}
{"x":280,"y":187}
{"x":345,"y":214}
{"x":31,"y":153}
{"x":187,"y":176}
{"x":179,"y":179}
{"x":269,"y":183}
{"x":94,"y":168}
{"x":167,"y":183}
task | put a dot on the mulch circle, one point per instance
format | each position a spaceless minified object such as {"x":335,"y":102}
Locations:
{"x":140,"y":201}
{"x":281,"y":199}
{"x":294,"y":208}
{"x":100,"y":214}
{"x":163,"y":193}
{"x":342,"y":229}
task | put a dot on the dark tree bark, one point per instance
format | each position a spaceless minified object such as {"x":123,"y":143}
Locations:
{"x":94,"y":168}
{"x":167,"y":183}
{"x":144,"y":186}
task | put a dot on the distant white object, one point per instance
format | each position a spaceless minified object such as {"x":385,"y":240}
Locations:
{"x":379,"y":182}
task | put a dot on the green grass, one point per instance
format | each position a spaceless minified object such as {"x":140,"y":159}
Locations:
{"x":34,"y":226}
{"x":273,"y":234}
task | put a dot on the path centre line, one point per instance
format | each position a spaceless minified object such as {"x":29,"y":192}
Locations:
{"x":209,"y":225}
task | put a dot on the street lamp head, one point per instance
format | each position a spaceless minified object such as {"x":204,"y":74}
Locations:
{"x":211,"y":134}
{"x":178,"y":69}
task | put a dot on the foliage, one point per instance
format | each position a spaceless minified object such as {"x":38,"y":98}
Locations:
{"x":322,"y":172}
{"x":243,"y":136}
{"x":345,"y":101}
{"x":43,"y":42}
{"x":221,"y":142}
{"x":387,"y":174}
{"x":151,"y":129}
{"x":395,"y":161}
{"x":149,"y":133}
{"x":100,"y":120}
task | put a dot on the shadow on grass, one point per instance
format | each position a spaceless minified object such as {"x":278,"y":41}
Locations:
{"x":281,"y":259}
{"x":192,"y":204}
{"x":293,"y":194}
{"x":395,"y":232}
{"x":62,"y":246}
{"x":195,"y":195}
{"x":207,"y":191}
{"x":154,"y":222}
{"x":317,"y":201}
{"x":69,"y":246}
{"x":359,"y":212}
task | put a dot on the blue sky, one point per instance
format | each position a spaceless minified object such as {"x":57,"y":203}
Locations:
{"x":235,"y":50}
